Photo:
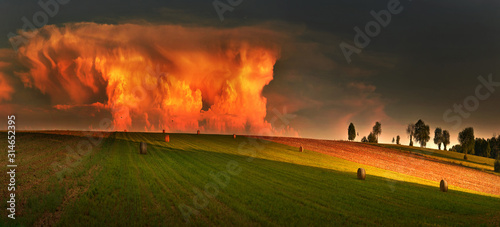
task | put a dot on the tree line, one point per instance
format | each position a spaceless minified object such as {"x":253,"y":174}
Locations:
{"x":489,"y":148}
{"x":420,"y":133}
{"x":372,"y":137}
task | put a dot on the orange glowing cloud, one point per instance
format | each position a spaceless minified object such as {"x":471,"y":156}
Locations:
{"x":156,"y":76}
{"x":6,"y":88}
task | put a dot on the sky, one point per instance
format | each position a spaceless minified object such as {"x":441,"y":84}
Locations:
{"x":291,"y":68}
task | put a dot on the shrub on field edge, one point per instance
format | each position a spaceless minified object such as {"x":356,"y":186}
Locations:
{"x":497,"y":165}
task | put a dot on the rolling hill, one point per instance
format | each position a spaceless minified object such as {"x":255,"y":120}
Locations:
{"x":70,"y":179}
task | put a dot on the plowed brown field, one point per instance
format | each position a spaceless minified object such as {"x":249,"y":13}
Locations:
{"x":410,"y":164}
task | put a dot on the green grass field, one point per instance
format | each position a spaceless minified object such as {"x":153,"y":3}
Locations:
{"x":273,"y":184}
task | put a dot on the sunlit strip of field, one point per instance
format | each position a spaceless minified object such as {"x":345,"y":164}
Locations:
{"x":473,"y":161}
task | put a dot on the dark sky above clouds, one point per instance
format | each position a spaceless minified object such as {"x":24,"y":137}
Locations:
{"x":426,"y":59}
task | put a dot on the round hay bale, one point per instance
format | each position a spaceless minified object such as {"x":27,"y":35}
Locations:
{"x":167,"y":138}
{"x":234,"y":136}
{"x":443,"y":185}
{"x":143,"y":148}
{"x":301,"y":149}
{"x":361,"y":174}
{"x":198,"y":132}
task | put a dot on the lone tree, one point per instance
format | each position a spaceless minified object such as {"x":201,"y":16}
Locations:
{"x":466,"y":139}
{"x":438,"y":137}
{"x":410,"y":130}
{"x":397,"y":139}
{"x":364,"y":140}
{"x":446,"y":138}
{"x":422,"y":133}
{"x":351,"y":132}
{"x":393,"y":139}
{"x":377,"y":130}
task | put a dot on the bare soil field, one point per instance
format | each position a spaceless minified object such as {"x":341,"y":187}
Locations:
{"x":394,"y":160}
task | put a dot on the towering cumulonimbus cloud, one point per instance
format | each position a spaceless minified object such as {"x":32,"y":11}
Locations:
{"x":156,"y":76}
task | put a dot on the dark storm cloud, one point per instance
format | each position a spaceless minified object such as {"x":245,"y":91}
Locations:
{"x":425,"y":60}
